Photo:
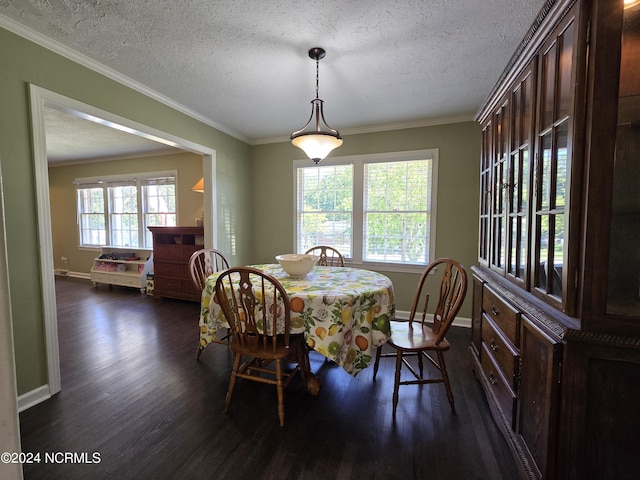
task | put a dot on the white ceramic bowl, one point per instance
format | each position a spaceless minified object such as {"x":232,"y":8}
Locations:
{"x":297,"y":265}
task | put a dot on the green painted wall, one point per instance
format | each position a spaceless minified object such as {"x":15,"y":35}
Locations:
{"x":458,"y":188}
{"x":23,"y":62}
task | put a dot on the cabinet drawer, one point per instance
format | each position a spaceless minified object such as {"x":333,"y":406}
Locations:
{"x":187,"y":251}
{"x":505,"y":316}
{"x":126,"y":280}
{"x":167,"y":252}
{"x":174,"y":285}
{"x":504,"y":354}
{"x":189,"y":287}
{"x":117,"y":279}
{"x":100,"y":277}
{"x":503,"y":393}
{"x":162,"y":270}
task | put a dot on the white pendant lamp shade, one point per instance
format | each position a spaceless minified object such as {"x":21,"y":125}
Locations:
{"x":317,"y":145}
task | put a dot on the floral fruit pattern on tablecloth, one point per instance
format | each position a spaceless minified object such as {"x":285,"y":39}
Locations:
{"x":343,"y":312}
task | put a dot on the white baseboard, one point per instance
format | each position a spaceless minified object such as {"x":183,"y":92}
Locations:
{"x":86,"y":276}
{"x":67,"y":273}
{"x":458,"y":322}
{"x":34,"y":397}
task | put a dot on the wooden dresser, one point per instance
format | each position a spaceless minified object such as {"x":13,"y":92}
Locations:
{"x":555,"y":339}
{"x":172,"y":248}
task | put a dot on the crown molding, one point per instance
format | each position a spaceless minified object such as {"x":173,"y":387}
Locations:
{"x":77,"y":57}
{"x":431,"y":122}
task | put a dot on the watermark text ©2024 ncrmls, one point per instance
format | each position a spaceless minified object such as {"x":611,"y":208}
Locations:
{"x":50,"y":457}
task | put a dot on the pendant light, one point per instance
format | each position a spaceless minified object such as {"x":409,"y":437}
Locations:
{"x":317,"y":143}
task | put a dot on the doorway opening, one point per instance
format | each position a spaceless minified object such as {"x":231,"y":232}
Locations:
{"x":41,"y":100}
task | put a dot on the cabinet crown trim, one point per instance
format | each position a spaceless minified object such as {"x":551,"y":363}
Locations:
{"x":531,"y":41}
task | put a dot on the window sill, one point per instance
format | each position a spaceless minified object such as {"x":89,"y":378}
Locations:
{"x":386,"y":267}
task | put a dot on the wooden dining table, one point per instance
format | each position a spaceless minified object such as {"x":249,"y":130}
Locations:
{"x":340,"y":312}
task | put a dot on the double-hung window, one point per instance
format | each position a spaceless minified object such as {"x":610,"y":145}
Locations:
{"x":116,"y":210}
{"x":376,"y":209}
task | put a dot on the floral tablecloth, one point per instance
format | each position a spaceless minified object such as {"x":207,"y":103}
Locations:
{"x":343,"y":312}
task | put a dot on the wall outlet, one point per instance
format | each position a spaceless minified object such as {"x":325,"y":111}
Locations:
{"x":64,"y":260}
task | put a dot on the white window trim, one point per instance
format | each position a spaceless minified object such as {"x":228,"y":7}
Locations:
{"x":79,"y":182}
{"x":358,"y":162}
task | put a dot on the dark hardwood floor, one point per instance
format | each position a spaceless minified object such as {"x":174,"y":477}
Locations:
{"x":133,"y":393}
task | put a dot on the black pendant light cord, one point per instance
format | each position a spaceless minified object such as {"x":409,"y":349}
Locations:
{"x":317,"y":76}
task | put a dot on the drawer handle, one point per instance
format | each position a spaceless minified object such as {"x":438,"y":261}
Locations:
{"x":493,"y":380}
{"x":494,"y":346}
{"x":495,"y":311}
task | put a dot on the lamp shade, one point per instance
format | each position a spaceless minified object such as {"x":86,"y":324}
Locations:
{"x":199,"y":186}
{"x":317,"y":145}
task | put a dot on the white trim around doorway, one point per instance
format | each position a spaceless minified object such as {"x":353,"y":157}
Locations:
{"x":39,"y":98}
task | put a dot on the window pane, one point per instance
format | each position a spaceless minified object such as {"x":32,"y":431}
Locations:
{"x":543,"y":266}
{"x":396,"y":237}
{"x":523,"y":184}
{"x":325,"y":207}
{"x":325,"y":229}
{"x":548,"y":79}
{"x":561,"y":165}
{"x":565,"y":42}
{"x":160,"y":208}
{"x":91,"y":219}
{"x":545,"y":167}
{"x":515,"y":237}
{"x":124,"y":215}
{"x":558,"y":256}
{"x":397,"y":209}
{"x":522,"y":251}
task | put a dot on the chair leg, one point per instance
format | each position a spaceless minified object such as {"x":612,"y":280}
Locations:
{"x":445,"y":378}
{"x":280,"y":391}
{"x":377,"y":362}
{"x":396,"y":383}
{"x":232,"y":383}
{"x":420,"y":365}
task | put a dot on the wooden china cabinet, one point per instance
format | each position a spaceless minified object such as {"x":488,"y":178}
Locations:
{"x":555,"y":337}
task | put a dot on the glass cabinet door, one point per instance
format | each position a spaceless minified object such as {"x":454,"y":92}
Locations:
{"x":549,"y":277}
{"x":485,"y":192}
{"x":519,"y":178}
{"x":624,"y":257}
{"x":500,"y":189}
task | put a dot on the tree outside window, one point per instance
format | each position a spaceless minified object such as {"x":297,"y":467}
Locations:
{"x":117,"y":210}
{"x":374,"y":209}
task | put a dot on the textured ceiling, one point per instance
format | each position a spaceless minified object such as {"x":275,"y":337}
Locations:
{"x":71,"y":138}
{"x":242,"y":65}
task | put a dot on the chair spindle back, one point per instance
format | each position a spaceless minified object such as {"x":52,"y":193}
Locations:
{"x":453,"y":288}
{"x":255,"y":305}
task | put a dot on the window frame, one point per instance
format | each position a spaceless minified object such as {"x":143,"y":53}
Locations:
{"x":358,"y":162}
{"x":140,"y":181}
